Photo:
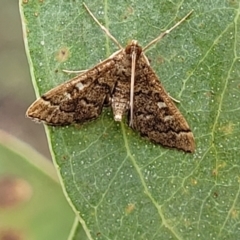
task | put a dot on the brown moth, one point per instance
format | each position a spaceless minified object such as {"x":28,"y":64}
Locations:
{"x":126,"y":82}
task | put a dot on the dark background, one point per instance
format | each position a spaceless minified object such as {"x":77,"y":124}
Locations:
{"x":16,"y":90}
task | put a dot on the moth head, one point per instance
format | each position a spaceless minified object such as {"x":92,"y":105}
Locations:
{"x":133,"y":47}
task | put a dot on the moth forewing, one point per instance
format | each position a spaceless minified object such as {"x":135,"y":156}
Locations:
{"x":155,"y":116}
{"x":127,"y":83}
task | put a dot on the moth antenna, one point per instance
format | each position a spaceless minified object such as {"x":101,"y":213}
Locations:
{"x":162,"y":35}
{"x":103,"y":28}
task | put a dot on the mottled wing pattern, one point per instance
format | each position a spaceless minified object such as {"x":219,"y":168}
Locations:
{"x":154,"y":113}
{"x":78,"y":100}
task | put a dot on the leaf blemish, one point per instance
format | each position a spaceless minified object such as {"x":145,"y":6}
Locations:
{"x":62,"y":54}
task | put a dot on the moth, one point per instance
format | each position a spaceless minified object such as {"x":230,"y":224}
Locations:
{"x":126,"y":82}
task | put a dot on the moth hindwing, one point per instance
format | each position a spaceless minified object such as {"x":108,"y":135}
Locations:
{"x":126,"y":82}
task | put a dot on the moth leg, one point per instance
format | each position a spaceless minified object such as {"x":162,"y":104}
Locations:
{"x":72,"y":71}
{"x":174,"y":99}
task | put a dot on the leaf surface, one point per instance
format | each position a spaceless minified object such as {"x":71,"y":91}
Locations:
{"x":120,"y":185}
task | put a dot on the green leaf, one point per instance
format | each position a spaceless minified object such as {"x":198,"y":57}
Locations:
{"x":31,"y":199}
{"x":120,"y":185}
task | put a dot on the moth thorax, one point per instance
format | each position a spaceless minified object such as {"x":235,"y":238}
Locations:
{"x":133,"y":47}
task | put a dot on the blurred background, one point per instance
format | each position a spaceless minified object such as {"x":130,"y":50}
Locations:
{"x":16,"y":90}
